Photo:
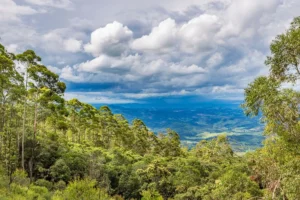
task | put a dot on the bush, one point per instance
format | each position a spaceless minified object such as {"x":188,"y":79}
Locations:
{"x":38,"y":192}
{"x":44,"y":183}
{"x":20,"y":177}
{"x":60,"y":185}
{"x":60,"y":171}
{"x":151,"y":195}
{"x":83,"y":189}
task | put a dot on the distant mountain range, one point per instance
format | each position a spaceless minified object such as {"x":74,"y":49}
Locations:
{"x":195,"y":122}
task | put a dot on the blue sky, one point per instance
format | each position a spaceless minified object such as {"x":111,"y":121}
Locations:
{"x":131,"y":51}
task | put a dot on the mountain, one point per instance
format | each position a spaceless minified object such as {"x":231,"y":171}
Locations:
{"x":198,"y":121}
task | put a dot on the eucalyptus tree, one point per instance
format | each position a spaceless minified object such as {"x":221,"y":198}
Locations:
{"x":28,"y":59}
{"x":125,"y":138}
{"x":277,"y":98}
{"x":141,"y":134}
{"x":74,"y":106}
{"x":270,"y":95}
{"x":11,"y":87}
{"x":45,"y":90}
{"x":6,"y":70}
{"x":109,"y":127}
{"x":87,"y":120}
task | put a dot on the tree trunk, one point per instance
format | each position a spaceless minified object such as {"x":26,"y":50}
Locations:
{"x":35,"y":121}
{"x":30,"y":165}
{"x":24,"y":121}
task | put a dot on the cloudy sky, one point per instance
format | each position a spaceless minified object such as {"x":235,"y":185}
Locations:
{"x":123,"y":51}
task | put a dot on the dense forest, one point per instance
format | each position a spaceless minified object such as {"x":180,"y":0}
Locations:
{"x":51,"y":148}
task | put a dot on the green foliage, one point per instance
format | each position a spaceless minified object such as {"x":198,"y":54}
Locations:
{"x":151,"y":195}
{"x":44,"y":183}
{"x":60,"y":171}
{"x":20,"y":177}
{"x":60,"y":185}
{"x":274,"y":167}
{"x":82,"y":189}
{"x":235,"y":185}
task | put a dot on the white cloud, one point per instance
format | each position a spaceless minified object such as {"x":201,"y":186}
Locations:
{"x":54,"y":69}
{"x":135,"y":69}
{"x":66,"y":4}
{"x":73,"y":45}
{"x":199,"y":34}
{"x":68,"y":73}
{"x":96,"y":98}
{"x":56,"y":41}
{"x":111,"y":40}
{"x":245,"y":16}
{"x":227,"y":89}
{"x":119,"y":98}
{"x":12,"y":48}
{"x":104,"y":62}
{"x":161,"y":37}
{"x":240,"y":19}
{"x":10,"y":11}
{"x":215,"y":60}
{"x":53,"y":41}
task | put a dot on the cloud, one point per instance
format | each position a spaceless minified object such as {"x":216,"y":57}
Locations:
{"x":68,"y":73}
{"x":212,"y":48}
{"x":135,"y":72}
{"x":12,"y":48}
{"x":161,"y":37}
{"x":96,"y":98}
{"x":136,"y":67}
{"x":72,"y":45}
{"x":54,"y":69}
{"x":199,"y":34}
{"x":239,"y":19}
{"x":214,"y":59}
{"x":66,"y":4}
{"x":109,"y":97}
{"x":107,"y":63}
{"x":111,"y":40}
{"x":10,"y":11}
{"x":58,"y":41}
{"x":192,"y":56}
{"x":244,"y":16}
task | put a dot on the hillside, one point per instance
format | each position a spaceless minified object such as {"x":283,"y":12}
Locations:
{"x":199,"y":122}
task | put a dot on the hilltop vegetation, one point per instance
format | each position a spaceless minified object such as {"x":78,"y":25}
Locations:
{"x":51,"y":148}
{"x":202,"y":121}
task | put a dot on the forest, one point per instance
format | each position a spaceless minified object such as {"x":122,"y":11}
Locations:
{"x":51,"y":148}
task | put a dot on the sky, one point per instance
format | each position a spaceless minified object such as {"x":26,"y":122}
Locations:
{"x":130,"y":51}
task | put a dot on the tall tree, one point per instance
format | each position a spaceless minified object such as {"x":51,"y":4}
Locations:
{"x":11,"y":87}
{"x":277,"y":99}
{"x":28,"y":59}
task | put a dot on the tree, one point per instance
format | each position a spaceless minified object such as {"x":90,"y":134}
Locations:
{"x":28,"y":59}
{"x":60,"y":171}
{"x":279,"y":106}
{"x":141,"y":134}
{"x":285,"y":51}
{"x":237,"y":186}
{"x":10,"y":89}
{"x":151,"y":195}
{"x":83,"y":189}
{"x":45,"y":89}
{"x":274,"y":166}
